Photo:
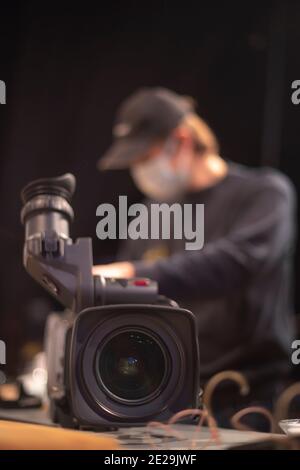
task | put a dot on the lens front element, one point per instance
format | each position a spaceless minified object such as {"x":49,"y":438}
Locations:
{"x":132,"y":365}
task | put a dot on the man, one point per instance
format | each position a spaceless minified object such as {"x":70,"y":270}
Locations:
{"x":239,"y":284}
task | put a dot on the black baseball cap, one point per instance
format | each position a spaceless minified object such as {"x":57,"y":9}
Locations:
{"x":148,"y":115}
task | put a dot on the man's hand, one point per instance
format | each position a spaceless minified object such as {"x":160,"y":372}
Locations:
{"x":124,"y":269}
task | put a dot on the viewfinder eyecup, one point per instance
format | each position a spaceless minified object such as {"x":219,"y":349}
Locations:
{"x":63,"y":186}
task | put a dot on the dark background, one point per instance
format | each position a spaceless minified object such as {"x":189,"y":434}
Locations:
{"x":67,"y":69}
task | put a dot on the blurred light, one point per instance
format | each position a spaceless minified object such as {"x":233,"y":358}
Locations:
{"x":40,"y":376}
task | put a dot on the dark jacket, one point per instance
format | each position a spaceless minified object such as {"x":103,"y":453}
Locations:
{"x":239,"y":284}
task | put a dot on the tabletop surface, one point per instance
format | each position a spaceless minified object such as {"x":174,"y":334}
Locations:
{"x":176,"y":437}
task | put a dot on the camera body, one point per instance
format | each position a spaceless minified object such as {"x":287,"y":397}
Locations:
{"x":120,"y":354}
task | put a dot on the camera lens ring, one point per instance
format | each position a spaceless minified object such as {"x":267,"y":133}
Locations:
{"x":164,"y":354}
{"x":98,"y":400}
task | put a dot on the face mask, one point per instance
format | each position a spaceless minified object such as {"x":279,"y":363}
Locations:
{"x":157,"y":178}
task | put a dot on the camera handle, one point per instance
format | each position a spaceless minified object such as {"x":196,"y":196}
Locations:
{"x":62,"y":267}
{"x":65,"y":271}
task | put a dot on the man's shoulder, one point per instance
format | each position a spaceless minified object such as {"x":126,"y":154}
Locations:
{"x":263,"y":178}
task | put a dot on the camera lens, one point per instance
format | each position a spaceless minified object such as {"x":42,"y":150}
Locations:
{"x":132,"y":365}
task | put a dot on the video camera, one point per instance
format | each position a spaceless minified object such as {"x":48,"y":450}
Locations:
{"x":120,"y":354}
